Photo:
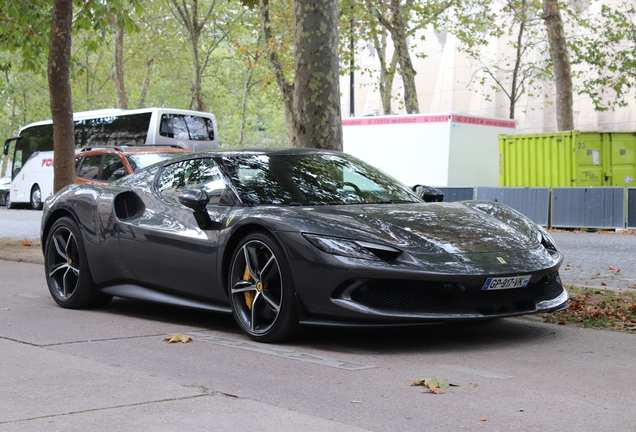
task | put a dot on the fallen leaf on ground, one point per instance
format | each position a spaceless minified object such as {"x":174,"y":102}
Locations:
{"x":595,"y":275}
{"x":435,"y":386}
{"x":181,"y":337}
{"x":603,"y":284}
{"x":484,"y":419}
{"x":26,"y":243}
{"x":615,"y":270}
{"x":520,"y":410}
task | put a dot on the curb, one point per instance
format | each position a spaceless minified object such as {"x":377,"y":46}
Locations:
{"x":25,"y":260}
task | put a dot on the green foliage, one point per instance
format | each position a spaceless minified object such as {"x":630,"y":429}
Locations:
{"x":606,"y":49}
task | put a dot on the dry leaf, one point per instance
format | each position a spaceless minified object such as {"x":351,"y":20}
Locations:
{"x":520,"y":410}
{"x":595,"y":275}
{"x":436,"y":391}
{"x":603,"y":284}
{"x":484,"y":419}
{"x":181,"y":337}
{"x":26,"y":243}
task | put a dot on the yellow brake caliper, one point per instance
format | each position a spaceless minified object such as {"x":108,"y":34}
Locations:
{"x":249,"y":295}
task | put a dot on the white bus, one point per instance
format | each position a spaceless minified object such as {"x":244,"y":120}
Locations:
{"x":32,"y":158}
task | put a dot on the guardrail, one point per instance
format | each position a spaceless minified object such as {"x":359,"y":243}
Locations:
{"x":560,"y":207}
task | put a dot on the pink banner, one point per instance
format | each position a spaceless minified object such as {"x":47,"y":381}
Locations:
{"x":484,"y":121}
{"x":366,"y":121}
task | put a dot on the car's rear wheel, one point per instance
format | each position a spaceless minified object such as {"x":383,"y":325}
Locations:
{"x":7,"y":200}
{"x":36,"y":198}
{"x":261,"y":289}
{"x":66,"y":268}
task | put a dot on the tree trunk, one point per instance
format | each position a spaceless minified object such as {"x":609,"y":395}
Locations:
{"x":246,"y":92}
{"x":561,"y":62}
{"x":398,"y":35}
{"x":515,"y":74}
{"x":316,"y":84}
{"x":286,"y":89}
{"x":118,"y":67}
{"x":144,"y":87}
{"x":197,"y":93}
{"x":60,"y":90}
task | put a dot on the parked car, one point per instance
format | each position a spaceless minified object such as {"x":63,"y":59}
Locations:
{"x":102,"y":165}
{"x":5,"y":187}
{"x":295,"y":237}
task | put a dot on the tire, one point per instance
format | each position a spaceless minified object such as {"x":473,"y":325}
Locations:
{"x":66,"y":268}
{"x":261,"y":289}
{"x":7,"y":200}
{"x":36,"y":198}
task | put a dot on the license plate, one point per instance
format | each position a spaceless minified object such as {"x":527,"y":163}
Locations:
{"x":506,"y":282}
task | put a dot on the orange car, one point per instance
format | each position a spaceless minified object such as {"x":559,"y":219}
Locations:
{"x":102,"y":165}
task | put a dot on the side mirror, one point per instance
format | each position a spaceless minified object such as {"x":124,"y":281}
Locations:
{"x":7,"y":142}
{"x":119,"y":173}
{"x":428,"y":193}
{"x":197,"y":200}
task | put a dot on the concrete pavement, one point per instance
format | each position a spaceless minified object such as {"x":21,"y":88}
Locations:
{"x":108,"y":368}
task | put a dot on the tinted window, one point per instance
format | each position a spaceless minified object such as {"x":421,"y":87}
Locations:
{"x":78,"y":161}
{"x":112,"y":163}
{"x":186,"y":127}
{"x":90,"y":167}
{"x":312,"y":179}
{"x":130,"y":129}
{"x":193,"y":173}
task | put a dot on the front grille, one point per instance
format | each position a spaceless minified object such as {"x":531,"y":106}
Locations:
{"x":428,"y":297}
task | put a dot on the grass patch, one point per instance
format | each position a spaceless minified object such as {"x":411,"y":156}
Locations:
{"x":597,"y":308}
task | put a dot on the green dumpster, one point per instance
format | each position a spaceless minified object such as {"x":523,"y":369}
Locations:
{"x":568,"y":158}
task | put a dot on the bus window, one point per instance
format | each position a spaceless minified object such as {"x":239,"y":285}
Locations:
{"x":186,"y":127}
{"x":131,"y":129}
{"x":34,"y":139}
{"x":17,"y":163}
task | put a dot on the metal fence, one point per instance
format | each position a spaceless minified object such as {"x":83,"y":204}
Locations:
{"x":457,"y":193}
{"x":533,"y":202}
{"x":631,"y":207}
{"x":592,"y":207}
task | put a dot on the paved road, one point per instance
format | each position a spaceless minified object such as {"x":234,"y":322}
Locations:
{"x":66,"y":370}
{"x":585,"y":253}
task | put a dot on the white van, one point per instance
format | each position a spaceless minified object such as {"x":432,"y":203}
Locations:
{"x":32,"y":159}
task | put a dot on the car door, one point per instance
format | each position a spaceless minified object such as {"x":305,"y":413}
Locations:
{"x":165,"y":247}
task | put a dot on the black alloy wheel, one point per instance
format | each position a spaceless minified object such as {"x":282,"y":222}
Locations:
{"x":66,"y":268}
{"x":36,"y":198}
{"x":261,"y":289}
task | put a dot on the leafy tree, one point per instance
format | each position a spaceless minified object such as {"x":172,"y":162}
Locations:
{"x":606,"y":51}
{"x":187,"y":14}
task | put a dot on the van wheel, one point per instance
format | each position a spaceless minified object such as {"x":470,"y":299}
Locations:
{"x":36,"y":198}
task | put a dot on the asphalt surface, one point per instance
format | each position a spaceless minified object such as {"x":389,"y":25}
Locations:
{"x":108,"y":368}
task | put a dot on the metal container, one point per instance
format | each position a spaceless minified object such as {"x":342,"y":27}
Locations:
{"x":569,"y":158}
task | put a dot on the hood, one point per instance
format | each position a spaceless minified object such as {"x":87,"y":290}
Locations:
{"x":454,"y":228}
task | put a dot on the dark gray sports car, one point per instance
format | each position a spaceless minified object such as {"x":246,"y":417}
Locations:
{"x":290,"y":237}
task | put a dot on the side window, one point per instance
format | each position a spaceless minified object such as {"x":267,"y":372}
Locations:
{"x":186,"y":127}
{"x":193,"y":173}
{"x":90,"y":167}
{"x":78,"y":162}
{"x":173,"y":126}
{"x":112,"y":163}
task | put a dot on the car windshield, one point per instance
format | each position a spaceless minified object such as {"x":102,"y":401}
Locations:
{"x":312,"y":179}
{"x":142,"y":160}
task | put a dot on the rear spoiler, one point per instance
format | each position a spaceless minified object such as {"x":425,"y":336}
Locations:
{"x":7,"y":142}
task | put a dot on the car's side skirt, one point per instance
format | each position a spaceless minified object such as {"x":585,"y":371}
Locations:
{"x":137,"y":292}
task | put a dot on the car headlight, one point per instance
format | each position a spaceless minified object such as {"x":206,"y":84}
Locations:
{"x":352,"y":248}
{"x":546,"y":240}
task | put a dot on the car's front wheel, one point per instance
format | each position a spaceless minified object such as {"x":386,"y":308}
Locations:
{"x":66,"y":268}
{"x":261,"y":289}
{"x":7,"y":200}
